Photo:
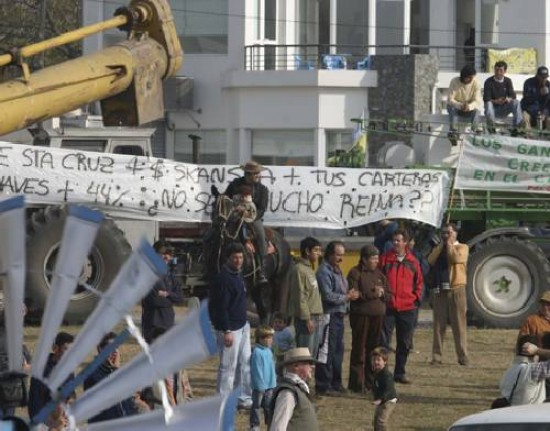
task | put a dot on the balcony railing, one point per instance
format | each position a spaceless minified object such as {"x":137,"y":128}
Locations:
{"x":266,"y":56}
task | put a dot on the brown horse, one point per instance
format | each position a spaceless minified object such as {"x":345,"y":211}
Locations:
{"x":228,"y":226}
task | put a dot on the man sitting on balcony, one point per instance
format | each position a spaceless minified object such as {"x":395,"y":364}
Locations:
{"x":464,"y":100}
{"x":500,"y":98}
{"x":535,"y":101}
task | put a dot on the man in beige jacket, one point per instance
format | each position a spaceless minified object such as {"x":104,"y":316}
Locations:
{"x":464,"y":100}
{"x":448,"y":261}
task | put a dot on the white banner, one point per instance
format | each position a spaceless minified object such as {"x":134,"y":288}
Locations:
{"x":504,"y":163}
{"x":164,"y":190}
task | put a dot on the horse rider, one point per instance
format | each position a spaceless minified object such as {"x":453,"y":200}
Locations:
{"x":252,"y":178}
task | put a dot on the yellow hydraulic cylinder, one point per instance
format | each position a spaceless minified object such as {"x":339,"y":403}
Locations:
{"x":126,"y":78}
{"x":58,"y":89}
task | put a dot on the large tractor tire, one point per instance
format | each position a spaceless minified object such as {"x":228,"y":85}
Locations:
{"x":109,"y":252}
{"x":506,"y":277}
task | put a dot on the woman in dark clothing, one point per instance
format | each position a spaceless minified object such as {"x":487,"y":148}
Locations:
{"x":366,"y":317}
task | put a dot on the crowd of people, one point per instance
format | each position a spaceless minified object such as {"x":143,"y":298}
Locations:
{"x":381,"y":294}
{"x":465,"y":100}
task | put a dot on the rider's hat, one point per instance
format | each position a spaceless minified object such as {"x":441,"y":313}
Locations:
{"x":252,"y":167}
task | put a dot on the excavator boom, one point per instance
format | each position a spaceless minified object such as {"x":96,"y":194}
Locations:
{"x":126,"y":78}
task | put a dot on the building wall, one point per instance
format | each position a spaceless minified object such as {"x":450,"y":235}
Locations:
{"x":230,"y":100}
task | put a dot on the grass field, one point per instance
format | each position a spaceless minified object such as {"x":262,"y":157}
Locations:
{"x":438,"y":396}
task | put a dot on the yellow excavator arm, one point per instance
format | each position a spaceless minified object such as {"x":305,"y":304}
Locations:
{"x":126,"y":78}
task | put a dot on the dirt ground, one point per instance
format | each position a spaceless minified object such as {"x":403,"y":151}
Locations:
{"x":438,"y":396}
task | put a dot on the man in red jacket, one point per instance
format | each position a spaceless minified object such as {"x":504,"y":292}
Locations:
{"x":404,"y":276}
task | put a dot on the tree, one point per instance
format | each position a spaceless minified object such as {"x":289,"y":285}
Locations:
{"x":29,"y":21}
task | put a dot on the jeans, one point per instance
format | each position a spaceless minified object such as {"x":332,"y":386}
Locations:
{"x":259,"y":233}
{"x":454,"y":113}
{"x":10,"y":411}
{"x":261,"y":400}
{"x":403,"y":321}
{"x":493,"y":111}
{"x":329,"y":376}
{"x":234,"y":369}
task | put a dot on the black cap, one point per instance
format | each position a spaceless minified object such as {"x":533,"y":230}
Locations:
{"x":542,"y":71}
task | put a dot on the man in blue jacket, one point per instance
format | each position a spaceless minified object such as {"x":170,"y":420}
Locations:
{"x":227,"y":309}
{"x":535,"y":100}
{"x":336,"y":296}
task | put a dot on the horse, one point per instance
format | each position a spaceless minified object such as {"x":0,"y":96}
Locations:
{"x":229,"y":225}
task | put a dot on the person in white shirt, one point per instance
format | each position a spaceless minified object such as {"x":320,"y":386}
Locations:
{"x":523,"y":381}
{"x":293,"y":407}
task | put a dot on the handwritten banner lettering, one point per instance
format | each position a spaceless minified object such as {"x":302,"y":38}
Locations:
{"x":164,"y":190}
{"x":504,"y":163}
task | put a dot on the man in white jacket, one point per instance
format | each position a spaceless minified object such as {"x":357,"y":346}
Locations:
{"x":523,"y":381}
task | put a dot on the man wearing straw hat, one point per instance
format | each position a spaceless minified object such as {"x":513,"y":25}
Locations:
{"x":293,"y":407}
{"x":260,"y":194}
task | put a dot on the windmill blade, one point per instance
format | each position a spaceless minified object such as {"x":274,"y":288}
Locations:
{"x":190,"y":341}
{"x":136,"y":277}
{"x":12,"y":273}
{"x":79,"y":232}
{"x":209,"y":414}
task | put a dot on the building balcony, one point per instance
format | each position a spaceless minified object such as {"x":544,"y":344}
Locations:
{"x":268,"y":56}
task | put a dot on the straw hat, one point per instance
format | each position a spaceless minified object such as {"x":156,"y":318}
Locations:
{"x":298,"y":354}
{"x":252,"y":167}
{"x":545,"y":296}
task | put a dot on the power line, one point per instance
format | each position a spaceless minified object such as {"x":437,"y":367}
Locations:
{"x":303,"y":22}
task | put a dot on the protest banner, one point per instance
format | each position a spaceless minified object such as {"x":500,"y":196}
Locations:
{"x":503,"y":163}
{"x":139,"y":187}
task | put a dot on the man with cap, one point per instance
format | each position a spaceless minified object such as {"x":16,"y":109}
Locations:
{"x":366,"y":317}
{"x":536,"y":96}
{"x":292,"y":400}
{"x":260,"y":194}
{"x":539,"y":323}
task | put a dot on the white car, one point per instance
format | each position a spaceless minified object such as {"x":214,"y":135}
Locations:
{"x":534,"y":417}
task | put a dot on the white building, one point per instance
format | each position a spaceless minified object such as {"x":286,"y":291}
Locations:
{"x":259,"y":86}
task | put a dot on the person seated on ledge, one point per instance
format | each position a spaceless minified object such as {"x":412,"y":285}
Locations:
{"x":536,"y":97}
{"x":500,"y":98}
{"x":464,"y":100}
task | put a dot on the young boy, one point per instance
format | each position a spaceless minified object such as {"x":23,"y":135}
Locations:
{"x":262,"y":373}
{"x":385,"y":396}
{"x":283,"y":338}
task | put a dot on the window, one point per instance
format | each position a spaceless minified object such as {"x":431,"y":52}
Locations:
{"x":202,"y":25}
{"x":85,"y":145}
{"x":283,"y":147}
{"x":489,"y":22}
{"x":212,"y":146}
{"x":129,"y":150}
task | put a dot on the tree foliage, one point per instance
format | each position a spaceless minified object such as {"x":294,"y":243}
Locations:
{"x":24,"y":22}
